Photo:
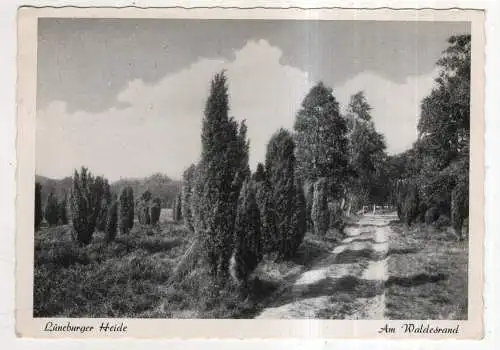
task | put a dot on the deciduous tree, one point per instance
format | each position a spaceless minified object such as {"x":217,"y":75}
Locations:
{"x":321,"y":140}
{"x":367,"y":154}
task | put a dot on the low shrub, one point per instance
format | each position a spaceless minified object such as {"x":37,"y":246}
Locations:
{"x":443,"y":221}
{"x":122,"y":278}
{"x":62,"y":254}
{"x":155,"y":211}
{"x":431,"y":215}
{"x":459,"y":207}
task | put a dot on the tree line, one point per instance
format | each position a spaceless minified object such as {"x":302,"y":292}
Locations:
{"x":309,"y":176}
{"x":92,"y":206}
{"x":329,"y":166}
{"x":433,"y":181}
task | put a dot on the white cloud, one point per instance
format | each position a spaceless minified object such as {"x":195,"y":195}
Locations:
{"x":396,"y":107}
{"x":159,"y":131}
{"x":265,"y":93}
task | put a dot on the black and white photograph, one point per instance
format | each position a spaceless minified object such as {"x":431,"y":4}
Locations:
{"x":252,"y":168}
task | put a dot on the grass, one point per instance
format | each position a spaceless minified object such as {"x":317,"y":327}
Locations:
{"x":194,"y":297}
{"x":428,"y":274}
{"x":123,"y":278}
{"x":340,"y":305}
{"x":131,"y":277}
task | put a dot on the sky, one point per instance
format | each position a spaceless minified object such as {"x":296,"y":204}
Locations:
{"x":125,"y":97}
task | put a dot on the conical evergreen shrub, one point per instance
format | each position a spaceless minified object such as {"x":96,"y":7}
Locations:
{"x":459,"y":207}
{"x":124,"y":208}
{"x":247,"y":235}
{"x":411,"y":204}
{"x":269,"y":236}
{"x":51,"y":210}
{"x":105,"y":203}
{"x":280,"y":172}
{"x":219,"y":176}
{"x":38,"y":205}
{"x":62,"y":207}
{"x":299,"y":220}
{"x":143,"y":208}
{"x":155,"y":211}
{"x":186,"y":195}
{"x":177,"y":208}
{"x":131,"y":208}
{"x":83,"y":205}
{"x":111,"y":220}
{"x":319,"y":210}
{"x":259,"y":174}
{"x":309,"y":196}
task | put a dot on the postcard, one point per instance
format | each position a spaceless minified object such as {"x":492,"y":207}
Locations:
{"x":250,"y":173}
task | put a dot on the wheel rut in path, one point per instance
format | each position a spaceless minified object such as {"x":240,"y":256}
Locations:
{"x":347,"y":284}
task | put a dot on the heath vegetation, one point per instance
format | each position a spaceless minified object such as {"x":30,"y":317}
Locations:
{"x":224,"y":240}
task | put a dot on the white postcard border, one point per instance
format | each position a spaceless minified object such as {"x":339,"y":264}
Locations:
{"x":26,"y":325}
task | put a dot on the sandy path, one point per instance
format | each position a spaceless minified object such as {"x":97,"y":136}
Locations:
{"x":356,"y":269}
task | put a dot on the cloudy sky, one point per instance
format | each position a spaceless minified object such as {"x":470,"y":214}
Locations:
{"x":126,"y":97}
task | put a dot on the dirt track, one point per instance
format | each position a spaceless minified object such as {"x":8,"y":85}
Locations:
{"x":347,"y":284}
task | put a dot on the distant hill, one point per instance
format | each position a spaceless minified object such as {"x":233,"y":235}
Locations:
{"x":60,"y":187}
{"x":160,"y":185}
